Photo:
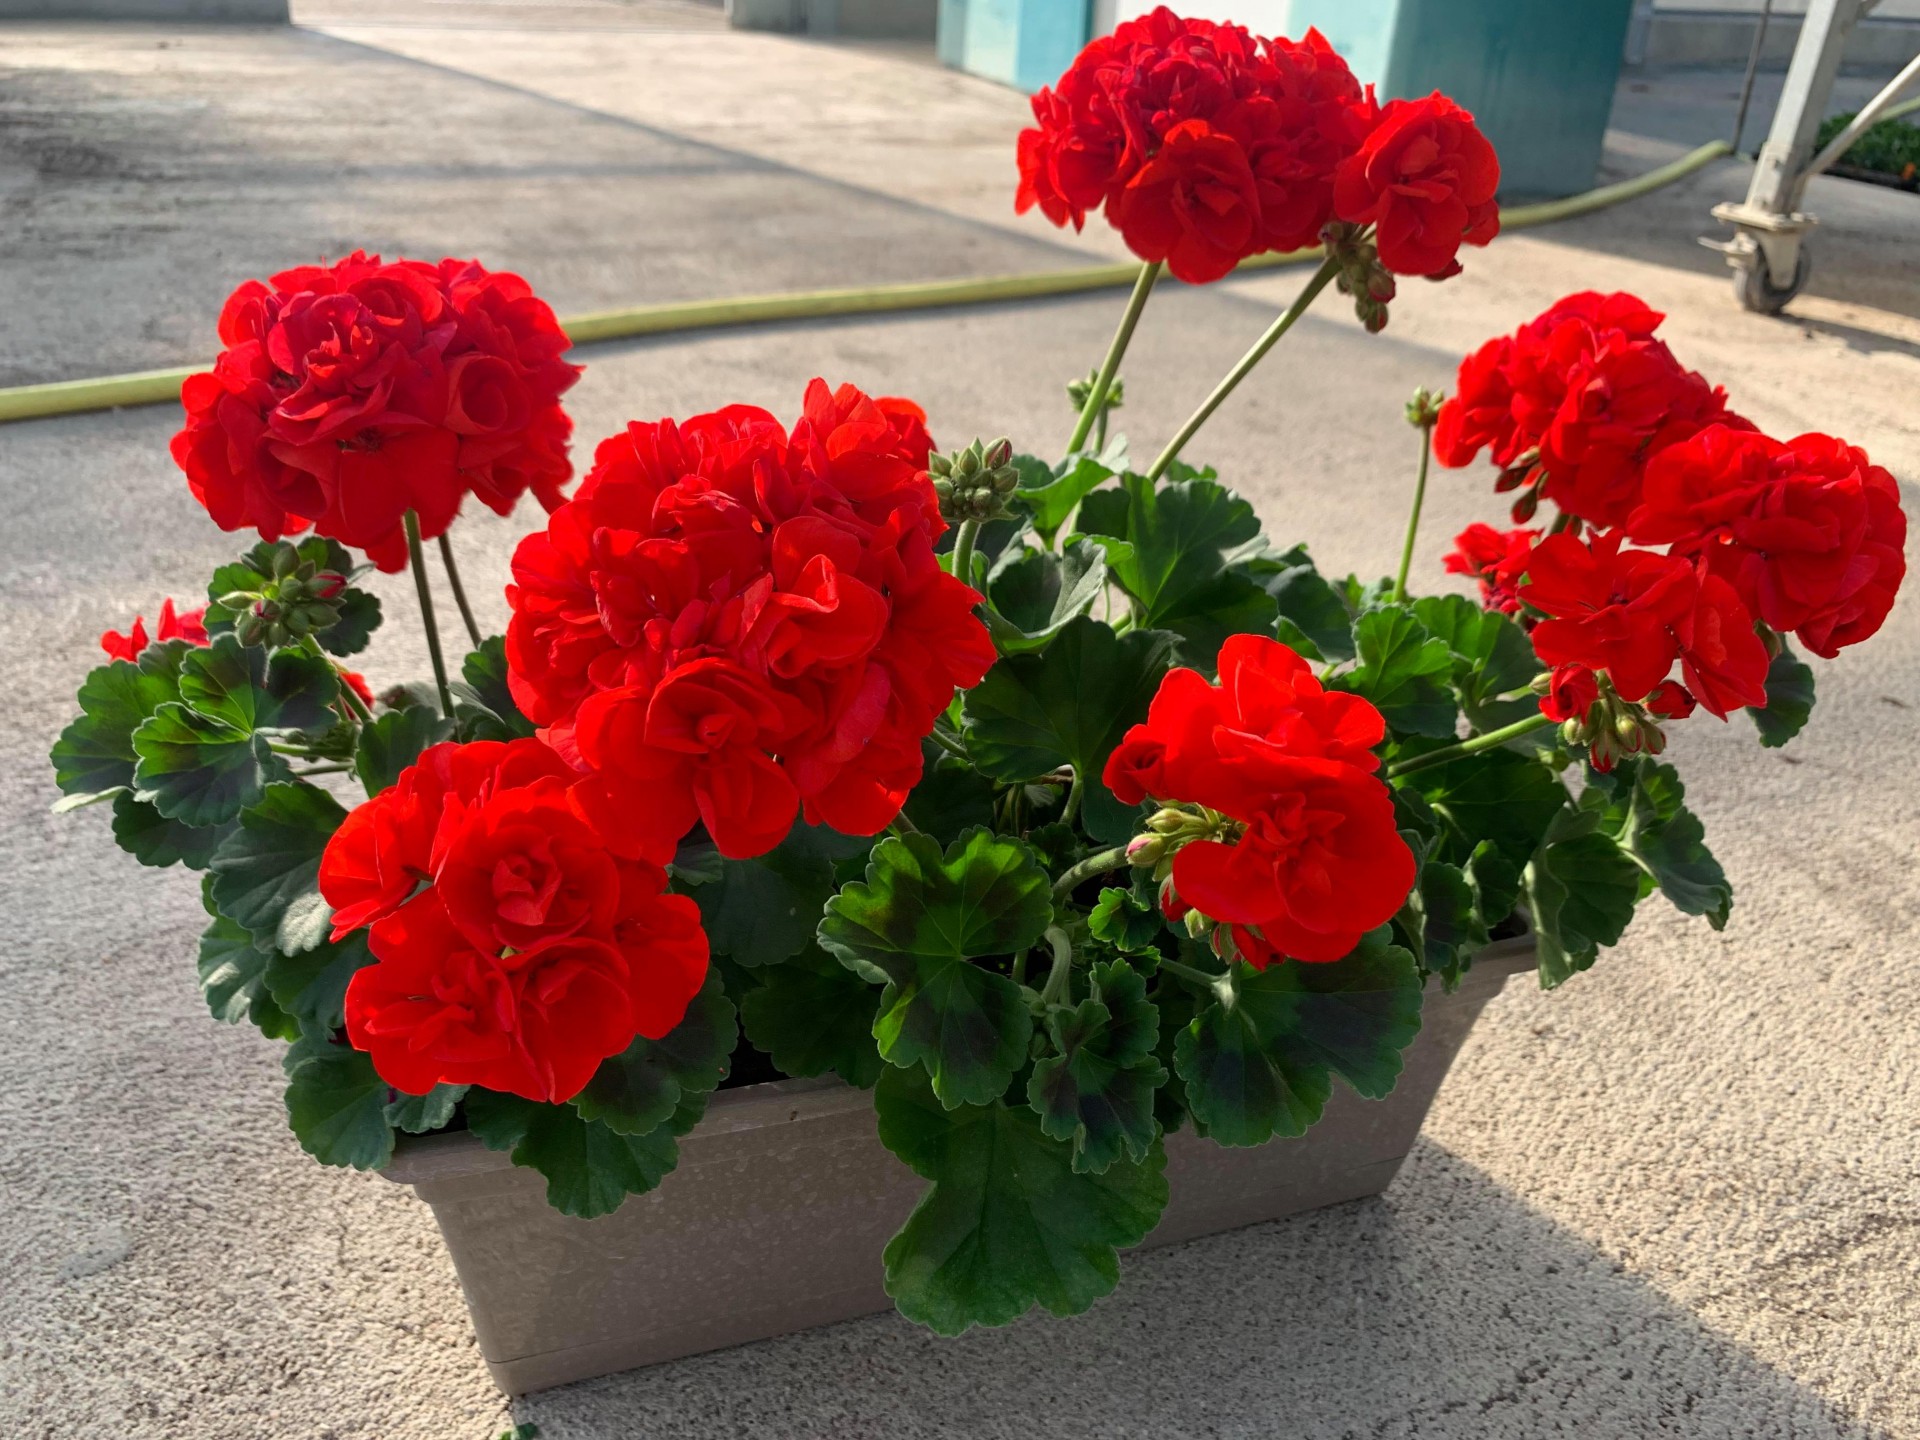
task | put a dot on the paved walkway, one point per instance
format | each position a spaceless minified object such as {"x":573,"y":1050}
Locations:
{"x":1678,"y":1197}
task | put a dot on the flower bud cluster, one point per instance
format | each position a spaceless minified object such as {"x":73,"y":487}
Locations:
{"x":974,"y":483}
{"x":295,"y":601}
{"x":1610,"y":728}
{"x":1079,"y":390}
{"x":1171,"y":827}
{"x":1423,"y":410}
{"x":1361,"y":274}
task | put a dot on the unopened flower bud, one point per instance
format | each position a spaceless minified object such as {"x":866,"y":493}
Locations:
{"x":1655,"y":739}
{"x":1525,"y":505}
{"x":1572,"y":731}
{"x":1423,"y":410}
{"x":297,"y":622}
{"x":326,"y":584}
{"x":1198,"y":926}
{"x":939,"y":466}
{"x":1169,"y":821}
{"x":1146,"y":851}
{"x":1627,"y":730}
{"x":285,"y":560}
{"x":250,"y":630}
{"x":999,"y":453}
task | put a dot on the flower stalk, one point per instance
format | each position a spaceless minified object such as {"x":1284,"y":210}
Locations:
{"x":1471,"y":746}
{"x":1423,"y":411}
{"x":1096,"y":405}
{"x":459,"y":590}
{"x":416,"y":561}
{"x":1096,"y":864}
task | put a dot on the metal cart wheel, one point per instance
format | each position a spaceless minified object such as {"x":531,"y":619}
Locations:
{"x":1754,"y":284}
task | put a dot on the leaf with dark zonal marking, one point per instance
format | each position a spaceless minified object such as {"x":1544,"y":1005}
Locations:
{"x":812,"y":1014}
{"x":1094,"y":1087}
{"x":590,"y":1167}
{"x":639,"y":1089}
{"x":393,"y":740}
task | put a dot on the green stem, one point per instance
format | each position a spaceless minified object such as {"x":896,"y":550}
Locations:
{"x":1244,"y":367}
{"x":417,"y":562}
{"x":1072,"y":807}
{"x":352,"y":700}
{"x":1413,"y":520}
{"x":1096,"y":406}
{"x":950,"y":744}
{"x":1096,"y":864}
{"x":1188,"y":972}
{"x":963,"y":539}
{"x":1060,"y":977}
{"x":1471,"y":746}
{"x":322,"y":770}
{"x":295,"y":750}
{"x":459,"y":591}
{"x":902,"y":826}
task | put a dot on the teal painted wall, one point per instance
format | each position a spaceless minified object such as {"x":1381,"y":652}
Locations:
{"x":1022,"y":43}
{"x":1538,"y":75}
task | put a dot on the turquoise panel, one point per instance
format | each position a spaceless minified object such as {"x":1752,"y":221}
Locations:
{"x":1022,"y":43}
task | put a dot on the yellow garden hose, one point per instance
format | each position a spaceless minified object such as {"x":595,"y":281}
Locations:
{"x":153,"y":387}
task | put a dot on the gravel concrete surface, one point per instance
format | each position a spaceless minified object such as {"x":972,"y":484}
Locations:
{"x":1679,"y":1197}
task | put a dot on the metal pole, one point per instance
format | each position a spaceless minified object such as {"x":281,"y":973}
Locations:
{"x":1869,"y":113}
{"x":1753,"y":65}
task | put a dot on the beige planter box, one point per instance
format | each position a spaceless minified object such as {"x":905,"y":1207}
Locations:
{"x":775,"y":1219}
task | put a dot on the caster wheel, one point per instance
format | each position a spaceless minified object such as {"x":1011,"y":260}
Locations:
{"x":1754,"y":285}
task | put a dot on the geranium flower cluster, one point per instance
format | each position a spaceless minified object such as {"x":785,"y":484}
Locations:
{"x":348,"y":394}
{"x":730,"y":624}
{"x":1294,"y":850}
{"x":188,"y":625}
{"x":1583,"y":407}
{"x":1207,"y":145}
{"x":1573,"y":406}
{"x":513,"y":949}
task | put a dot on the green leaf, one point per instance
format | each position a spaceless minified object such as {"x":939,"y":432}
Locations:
{"x":590,"y":1167}
{"x":1404,"y":671}
{"x":1495,"y":880}
{"x":312,"y":985}
{"x":233,"y":979}
{"x":1581,"y":889}
{"x":1069,"y":705}
{"x":1496,"y":795}
{"x":915,"y":924}
{"x":337,"y":1106}
{"x":1789,"y":699}
{"x":812,"y":1015}
{"x":1261,"y":1066}
{"x":1007,"y":1223}
{"x":394,"y":740}
{"x":639,"y":1089}
{"x":485,"y":670}
{"x":1313,"y":618}
{"x":1184,"y":536}
{"x":1095,"y":1086}
{"x":1124,"y":922}
{"x":1443,"y":919}
{"x":152,"y":839}
{"x":1651,"y":822}
{"x":200,"y":771}
{"x":760,"y":911}
{"x":1039,"y":592}
{"x":1492,"y":656}
{"x":423,"y":1114}
{"x":353,"y":631}
{"x":1048,"y":495}
{"x":245,"y":689}
{"x":266,"y":874}
{"x":94,"y":755}
{"x":952,"y":796}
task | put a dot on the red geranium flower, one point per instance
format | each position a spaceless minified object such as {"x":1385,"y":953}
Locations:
{"x":1571,"y":693}
{"x":349,"y":394}
{"x":1424,"y":178}
{"x":514,"y":949}
{"x":1205,"y":144}
{"x":1497,"y":559}
{"x":1810,"y":533}
{"x":186,"y":625}
{"x":1318,"y":860}
{"x":731,"y":623}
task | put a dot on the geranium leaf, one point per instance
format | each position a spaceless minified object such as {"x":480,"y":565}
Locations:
{"x":1497,"y":795}
{"x":760,"y":911}
{"x":1007,"y":1223}
{"x":423,"y":1114}
{"x":233,"y":979}
{"x":337,"y":1106}
{"x":1442,"y":917}
{"x":197,"y":770}
{"x":393,"y":740}
{"x":95,"y":755}
{"x":1789,"y":700}
{"x":485,"y":670}
{"x":246,"y":689}
{"x":640,"y":1088}
{"x":1094,"y":1088}
{"x":1069,"y":705}
{"x":1313,"y":618}
{"x":266,"y":874}
{"x":152,"y":839}
{"x":590,"y":1167}
{"x":1262,"y":1065}
{"x":1184,"y":536}
{"x":312,"y":985}
{"x":952,"y":796}
{"x":812,"y":1014}
{"x":1650,"y":819}
{"x":1581,"y":890}
{"x":1492,"y":656}
{"x":1404,"y":671}
{"x":916,"y":923}
{"x":359,"y":618}
{"x":1040,"y":591}
{"x":1123,"y":922}
{"x":1048,"y":495}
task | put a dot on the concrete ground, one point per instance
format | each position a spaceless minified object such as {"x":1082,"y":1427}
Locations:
{"x":1678,"y":1197}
